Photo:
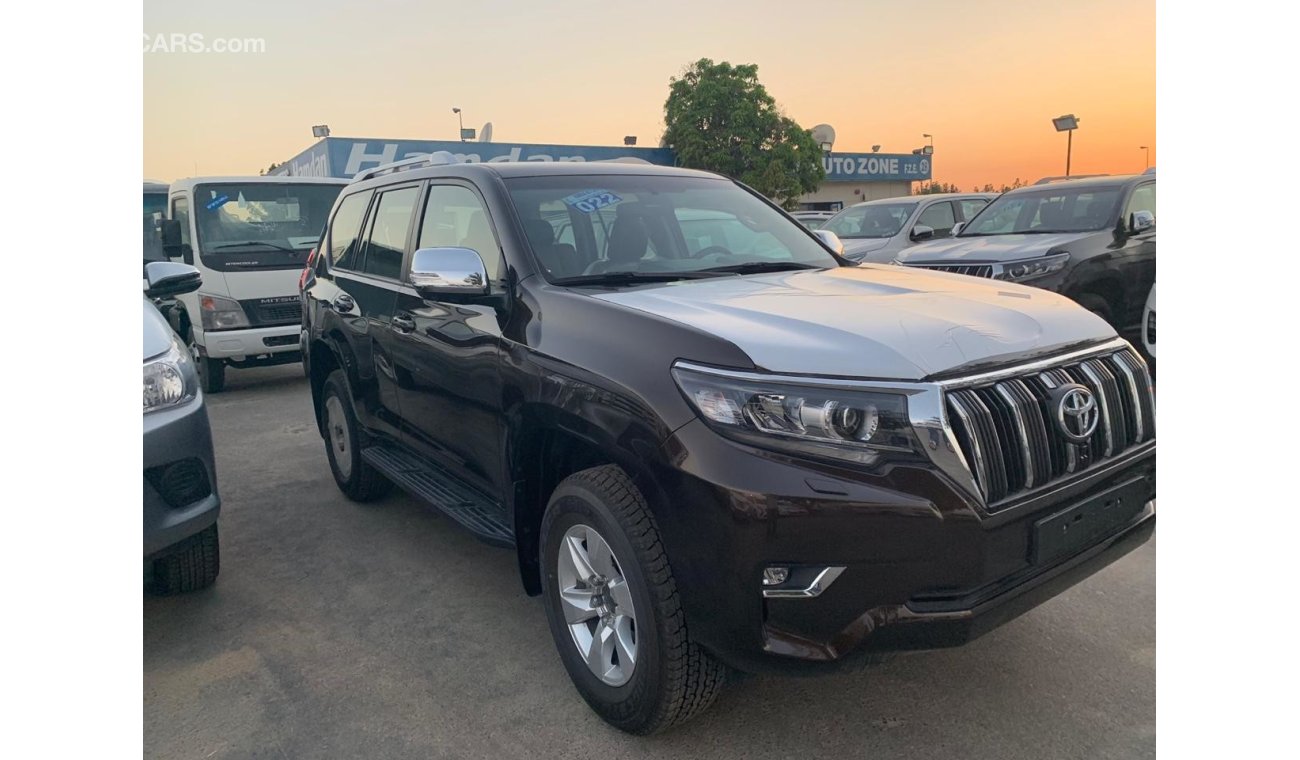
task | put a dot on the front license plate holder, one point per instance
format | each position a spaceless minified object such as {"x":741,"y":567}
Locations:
{"x":1078,"y":527}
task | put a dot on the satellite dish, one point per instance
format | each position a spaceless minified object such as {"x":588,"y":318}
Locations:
{"x":485,"y":134}
{"x":824,"y":134}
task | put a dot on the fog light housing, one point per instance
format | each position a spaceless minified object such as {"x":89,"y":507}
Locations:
{"x":775,"y":576}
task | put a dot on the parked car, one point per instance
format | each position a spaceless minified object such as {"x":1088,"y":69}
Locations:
{"x":1149,"y":324}
{"x":877,"y":231}
{"x":181,"y":503}
{"x":812,"y":219}
{"x":249,"y":237}
{"x":1093,"y":240}
{"x":715,"y":448}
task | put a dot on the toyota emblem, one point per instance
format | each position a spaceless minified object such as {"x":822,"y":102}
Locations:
{"x":1076,"y":412}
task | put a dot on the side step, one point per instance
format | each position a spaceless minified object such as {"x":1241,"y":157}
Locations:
{"x":457,"y":499}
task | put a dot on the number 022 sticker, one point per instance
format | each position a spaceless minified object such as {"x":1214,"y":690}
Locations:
{"x":589,"y":201}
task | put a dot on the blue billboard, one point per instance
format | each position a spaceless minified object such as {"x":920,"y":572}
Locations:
{"x":344,"y":156}
{"x":877,"y":167}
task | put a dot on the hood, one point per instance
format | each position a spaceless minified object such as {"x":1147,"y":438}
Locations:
{"x":986,"y":248}
{"x":855,"y":246}
{"x":881,"y":322}
{"x":157,"y":333}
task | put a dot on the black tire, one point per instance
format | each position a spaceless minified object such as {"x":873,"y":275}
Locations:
{"x":1096,"y":304}
{"x":343,"y":443}
{"x":212,"y":372}
{"x":190,"y":565}
{"x":673,"y":679}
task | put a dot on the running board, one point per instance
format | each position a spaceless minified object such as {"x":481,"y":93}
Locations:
{"x":454,"y":497}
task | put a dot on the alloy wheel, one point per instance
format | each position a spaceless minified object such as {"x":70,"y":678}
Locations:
{"x":597,"y":605}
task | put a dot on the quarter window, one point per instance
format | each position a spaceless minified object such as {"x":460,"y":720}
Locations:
{"x":392,"y":222}
{"x":345,"y":250}
{"x":455,"y":216}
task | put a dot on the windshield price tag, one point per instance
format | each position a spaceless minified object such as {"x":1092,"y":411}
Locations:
{"x":217,"y":202}
{"x":589,"y":201}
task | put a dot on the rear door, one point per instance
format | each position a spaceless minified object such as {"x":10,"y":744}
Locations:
{"x":447,"y":353}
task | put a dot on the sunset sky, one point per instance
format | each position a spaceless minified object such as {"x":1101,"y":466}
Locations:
{"x":985,"y":78}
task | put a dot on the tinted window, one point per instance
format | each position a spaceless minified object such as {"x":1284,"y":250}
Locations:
{"x":391,"y":222}
{"x":971,"y":207}
{"x":1143,"y":199}
{"x":344,"y":247}
{"x":938,"y":217}
{"x":1058,"y":209}
{"x":455,"y":216}
{"x":181,"y":213}
{"x":874,"y":220}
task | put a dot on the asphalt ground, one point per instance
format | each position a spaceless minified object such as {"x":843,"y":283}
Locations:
{"x":384,"y":630}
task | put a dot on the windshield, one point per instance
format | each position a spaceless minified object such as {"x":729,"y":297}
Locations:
{"x":1059,"y":209}
{"x":155,"y":203}
{"x":240,"y":218}
{"x":598,"y":225}
{"x":877,"y":220}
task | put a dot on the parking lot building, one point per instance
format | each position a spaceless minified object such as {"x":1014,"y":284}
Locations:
{"x":850,"y":177}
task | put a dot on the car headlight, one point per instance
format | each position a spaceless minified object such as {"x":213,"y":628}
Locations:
{"x":219,"y":313}
{"x":1019,"y":271}
{"x":169,"y":379}
{"x":862,"y":426}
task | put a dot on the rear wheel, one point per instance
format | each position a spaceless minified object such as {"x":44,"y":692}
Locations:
{"x":190,"y":565}
{"x":343,"y":441}
{"x":614,"y":610}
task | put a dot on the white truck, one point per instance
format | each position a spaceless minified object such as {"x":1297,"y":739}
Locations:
{"x":249,"y":238}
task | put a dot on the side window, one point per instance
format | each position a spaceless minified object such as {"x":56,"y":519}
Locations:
{"x":181,"y":213}
{"x":345,"y":249}
{"x":938,"y":217}
{"x":392,"y":222}
{"x":971,"y":207}
{"x":1143,"y":199}
{"x":455,"y":216}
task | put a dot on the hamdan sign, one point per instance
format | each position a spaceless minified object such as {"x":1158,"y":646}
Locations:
{"x":344,"y":157}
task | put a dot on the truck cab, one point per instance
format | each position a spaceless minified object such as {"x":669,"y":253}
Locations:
{"x":249,"y":237}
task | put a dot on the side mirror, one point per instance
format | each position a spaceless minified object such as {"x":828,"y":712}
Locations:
{"x":921,"y":232}
{"x":448,"y":271}
{"x":830,"y":240}
{"x":956,"y":228}
{"x":164,"y":279}
{"x":1141,"y":221}
{"x":170,"y":231}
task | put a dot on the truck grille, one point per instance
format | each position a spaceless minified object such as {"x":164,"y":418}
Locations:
{"x":974,"y":270}
{"x":1010,"y":437}
{"x":280,"y":313}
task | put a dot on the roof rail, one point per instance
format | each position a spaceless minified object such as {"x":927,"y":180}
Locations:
{"x":437,"y":158}
{"x":1050,"y":180}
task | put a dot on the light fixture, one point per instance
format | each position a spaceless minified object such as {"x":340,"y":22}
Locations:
{"x":629,"y":140}
{"x":320,"y":130}
{"x":875,"y":148}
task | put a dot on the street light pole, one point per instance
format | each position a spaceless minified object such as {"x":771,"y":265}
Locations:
{"x":461,"y":119}
{"x":1147,"y":163}
{"x":1067,"y":123}
{"x":931,"y":141}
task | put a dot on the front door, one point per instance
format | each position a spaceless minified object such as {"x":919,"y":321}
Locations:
{"x":448,"y":353}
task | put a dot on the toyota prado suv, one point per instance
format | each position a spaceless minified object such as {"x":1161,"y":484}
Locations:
{"x":711,"y":444}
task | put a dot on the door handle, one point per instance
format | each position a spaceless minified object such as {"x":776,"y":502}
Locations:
{"x":403,"y":323}
{"x":344,"y":303}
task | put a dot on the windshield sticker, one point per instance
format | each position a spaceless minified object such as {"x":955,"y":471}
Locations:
{"x":590,"y":201}
{"x":217,"y":202}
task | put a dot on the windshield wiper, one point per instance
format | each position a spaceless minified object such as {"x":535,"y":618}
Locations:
{"x":754,"y":267}
{"x":621,"y":278}
{"x":247,"y":243}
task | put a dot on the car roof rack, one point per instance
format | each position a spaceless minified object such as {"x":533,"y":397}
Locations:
{"x":436,"y":158}
{"x":1050,"y":180}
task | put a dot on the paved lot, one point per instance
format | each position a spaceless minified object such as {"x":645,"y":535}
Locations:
{"x":342,"y":630}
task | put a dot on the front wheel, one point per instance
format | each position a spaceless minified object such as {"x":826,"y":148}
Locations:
{"x":190,"y":565}
{"x":614,"y":609}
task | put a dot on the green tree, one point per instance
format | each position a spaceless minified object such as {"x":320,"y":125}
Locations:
{"x":720,"y":118}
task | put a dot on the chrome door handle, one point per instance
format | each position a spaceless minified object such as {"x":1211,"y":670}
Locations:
{"x":344,"y":303}
{"x":403,"y":323}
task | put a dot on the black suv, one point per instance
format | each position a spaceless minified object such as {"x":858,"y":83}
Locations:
{"x":1093,"y":240}
{"x":711,"y":443}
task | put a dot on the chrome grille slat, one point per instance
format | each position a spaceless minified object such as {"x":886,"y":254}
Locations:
{"x":1009,"y":432}
{"x":974,"y":270}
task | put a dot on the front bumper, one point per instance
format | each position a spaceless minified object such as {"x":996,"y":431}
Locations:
{"x":925,"y":566}
{"x":177,"y":460}
{"x":247,"y":345}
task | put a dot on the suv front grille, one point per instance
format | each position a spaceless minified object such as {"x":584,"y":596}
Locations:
{"x":1010,"y":436}
{"x":974,"y":270}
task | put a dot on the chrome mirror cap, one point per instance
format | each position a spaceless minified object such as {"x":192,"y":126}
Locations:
{"x":448,"y":271}
{"x":830,"y":240}
{"x":1141,"y":221}
{"x":163,"y":279}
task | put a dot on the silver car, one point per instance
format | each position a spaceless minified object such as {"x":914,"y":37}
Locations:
{"x":876,"y":231}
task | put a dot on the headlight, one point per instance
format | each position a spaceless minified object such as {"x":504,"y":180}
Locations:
{"x":221,"y":313}
{"x":1019,"y":271}
{"x":169,"y":379}
{"x":857,"y":425}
